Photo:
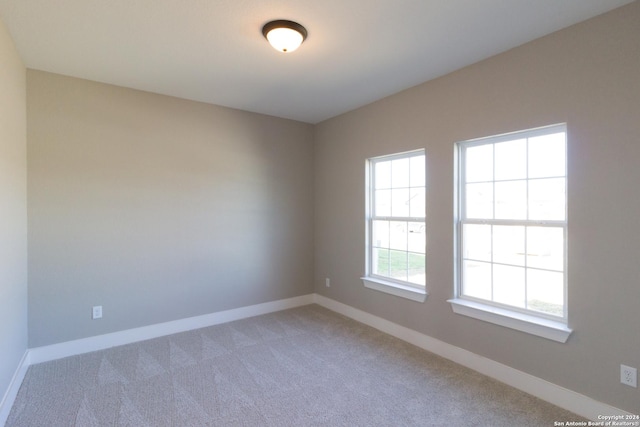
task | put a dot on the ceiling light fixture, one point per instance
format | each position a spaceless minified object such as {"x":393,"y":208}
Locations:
{"x":285,"y":36}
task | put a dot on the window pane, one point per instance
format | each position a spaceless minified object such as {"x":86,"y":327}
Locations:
{"x":382,"y":174}
{"x":417,"y":171}
{"x":545,"y":248}
{"x":479,"y":163}
{"x":417,"y":268}
{"x":547,"y":156}
{"x":417,"y":202}
{"x":511,"y":200}
{"x":511,"y":160}
{"x":417,"y":238}
{"x":380,"y":234}
{"x":400,"y":173}
{"x":398,"y":265}
{"x":398,"y":235}
{"x":547,"y":199}
{"x":382,"y":203}
{"x":508,"y":285}
{"x":545,"y":291}
{"x":479,"y":203}
{"x":508,"y":244}
{"x":477,"y":242}
{"x":477,"y":279}
{"x":380,"y":262}
{"x":400,"y":202}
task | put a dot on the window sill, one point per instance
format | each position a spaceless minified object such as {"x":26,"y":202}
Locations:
{"x":413,"y":294}
{"x":545,"y":328}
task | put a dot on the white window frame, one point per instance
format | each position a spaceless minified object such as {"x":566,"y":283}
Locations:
{"x":376,"y":282}
{"x":530,"y":321}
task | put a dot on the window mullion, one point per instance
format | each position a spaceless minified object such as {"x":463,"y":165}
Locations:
{"x":399,"y":219}
{"x":522,"y":222}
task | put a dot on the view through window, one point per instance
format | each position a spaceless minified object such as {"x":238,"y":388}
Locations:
{"x":512,"y":224}
{"x":396,"y":220}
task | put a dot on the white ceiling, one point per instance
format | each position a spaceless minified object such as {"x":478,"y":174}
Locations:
{"x":213,"y":51}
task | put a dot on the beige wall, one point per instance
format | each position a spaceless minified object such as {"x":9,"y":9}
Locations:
{"x":13,"y":210}
{"x":587,"y":76}
{"x":158,"y":208}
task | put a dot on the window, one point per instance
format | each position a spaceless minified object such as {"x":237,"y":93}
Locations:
{"x":396,"y":230}
{"x":512,"y":226}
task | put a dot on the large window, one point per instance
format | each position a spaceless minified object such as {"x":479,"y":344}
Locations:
{"x":396,"y":234}
{"x":512,"y":222}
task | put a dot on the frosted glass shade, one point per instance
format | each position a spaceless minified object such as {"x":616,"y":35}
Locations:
{"x":284,"y":39}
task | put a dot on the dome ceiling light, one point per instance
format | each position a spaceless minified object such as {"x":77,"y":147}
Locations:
{"x":284,"y":36}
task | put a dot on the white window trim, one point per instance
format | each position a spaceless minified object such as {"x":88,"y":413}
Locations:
{"x":555,"y":329}
{"x":403,"y":291}
{"x":383,"y":284}
{"x":534,"y":325}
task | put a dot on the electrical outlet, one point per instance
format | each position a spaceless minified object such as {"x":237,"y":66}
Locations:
{"x":327,"y":282}
{"x":628,"y":376}
{"x":97,"y":312}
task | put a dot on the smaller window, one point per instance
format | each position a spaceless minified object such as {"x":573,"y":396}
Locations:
{"x":396,"y":228}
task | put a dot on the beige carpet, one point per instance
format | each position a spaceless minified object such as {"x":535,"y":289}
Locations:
{"x":302,"y":367}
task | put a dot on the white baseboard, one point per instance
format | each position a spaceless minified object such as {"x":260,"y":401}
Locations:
{"x":552,"y":393}
{"x":100,"y":342}
{"x":559,"y":396}
{"x":14,"y":386}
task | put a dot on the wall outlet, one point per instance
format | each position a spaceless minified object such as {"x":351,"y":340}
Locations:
{"x":628,"y":376}
{"x":96,"y":312}
{"x":327,"y":282}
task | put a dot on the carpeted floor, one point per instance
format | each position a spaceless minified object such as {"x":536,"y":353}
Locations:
{"x":302,"y":367}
